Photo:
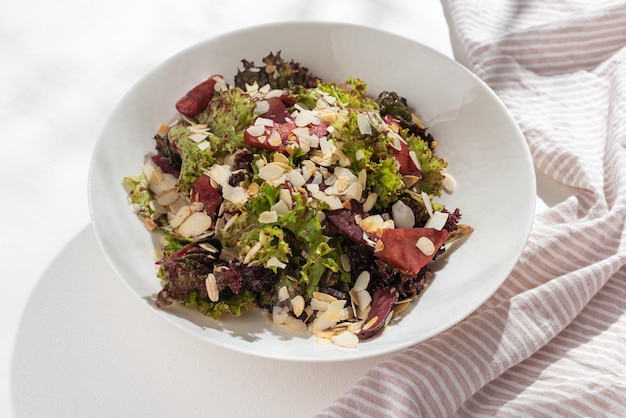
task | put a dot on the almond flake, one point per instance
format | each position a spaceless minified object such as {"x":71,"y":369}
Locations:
{"x":297,"y":305}
{"x":199,"y":137}
{"x":324,"y":297}
{"x":167,"y":198}
{"x":426,"y":246}
{"x":397,"y":140}
{"x":211,"y":287}
{"x":333,"y":202}
{"x":220,"y":84}
{"x":364,"y":124}
{"x":427,"y":203}
{"x":149,"y":224}
{"x":370,"y":323}
{"x":262,"y":122}
{"x":279,"y":314}
{"x":415,"y":160}
{"x":204,"y":145}
{"x":196,"y":224}
{"x":275,"y":140}
{"x":345,"y":339}
{"x":437,"y":220}
{"x":334,"y":310}
{"x":402,"y":215}
{"x":275,"y":262}
{"x":261,"y":107}
{"x":236,"y":195}
{"x":305,"y":118}
{"x":182,"y":214}
{"x":296,"y":178}
{"x":370,"y":202}
{"x":274,"y":93}
{"x":322,"y":323}
{"x":294,"y":324}
{"x":280,"y":207}
{"x":345,"y":262}
{"x":283,"y":293}
{"x":364,"y":299}
{"x":362,"y":281}
{"x":448,"y":182}
{"x":256,"y":130}
{"x":372,"y":223}
{"x":285,"y":196}
{"x":318,"y":305}
{"x":268,"y":217}
{"x":220,"y":174}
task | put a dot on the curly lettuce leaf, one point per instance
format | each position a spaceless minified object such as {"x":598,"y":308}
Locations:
{"x":235,"y":305}
{"x":385,"y":180}
{"x":194,"y":158}
{"x":276,"y":72}
{"x":227,"y":115}
{"x":431,"y":165}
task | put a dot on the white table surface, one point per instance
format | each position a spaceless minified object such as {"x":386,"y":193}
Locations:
{"x":74,"y":340}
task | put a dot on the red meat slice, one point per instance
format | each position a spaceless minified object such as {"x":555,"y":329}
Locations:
{"x":400,"y":247}
{"x":197,"y":99}
{"x":382,"y":303}
{"x":203,"y":191}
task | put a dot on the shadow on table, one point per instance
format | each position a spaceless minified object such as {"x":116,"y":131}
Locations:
{"x":85,"y":347}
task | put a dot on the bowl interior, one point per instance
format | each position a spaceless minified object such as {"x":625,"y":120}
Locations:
{"x":485,"y":150}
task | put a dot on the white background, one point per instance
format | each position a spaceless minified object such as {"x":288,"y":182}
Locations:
{"x":73,"y":340}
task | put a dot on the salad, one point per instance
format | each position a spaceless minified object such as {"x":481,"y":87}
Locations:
{"x":306,"y":198}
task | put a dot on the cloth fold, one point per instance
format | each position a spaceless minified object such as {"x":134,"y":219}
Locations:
{"x":550,"y":341}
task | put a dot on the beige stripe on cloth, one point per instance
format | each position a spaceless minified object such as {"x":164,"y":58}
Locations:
{"x":552,"y":340}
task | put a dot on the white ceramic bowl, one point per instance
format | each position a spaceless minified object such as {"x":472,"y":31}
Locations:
{"x":484,"y":147}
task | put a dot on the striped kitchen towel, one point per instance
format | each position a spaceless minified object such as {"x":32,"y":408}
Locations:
{"x":552,"y":340}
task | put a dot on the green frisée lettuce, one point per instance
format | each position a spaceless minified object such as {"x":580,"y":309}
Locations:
{"x":306,"y":198}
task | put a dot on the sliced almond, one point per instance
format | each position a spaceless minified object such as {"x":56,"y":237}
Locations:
{"x":370,"y":202}
{"x":364,"y":123}
{"x":182,"y":214}
{"x":318,"y":305}
{"x":279,"y":314}
{"x":345,"y":262}
{"x":297,"y":305}
{"x":211,"y":287}
{"x":256,"y":130}
{"x":168,"y":197}
{"x":324,"y":297}
{"x":196,"y":224}
{"x":334,"y":310}
{"x":345,"y":339}
{"x":437,"y":220}
{"x":426,"y":246}
{"x":321,"y":323}
{"x":448,"y":182}
{"x":294,"y":324}
{"x":275,"y":262}
{"x":237,"y":195}
{"x":415,"y":160}
{"x":402,"y":215}
{"x":261,"y":107}
{"x":372,"y":223}
{"x":354,"y":191}
{"x":370,"y":323}
{"x":268,"y":217}
{"x":283,"y":293}
{"x":364,"y":298}
{"x":362,"y":281}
